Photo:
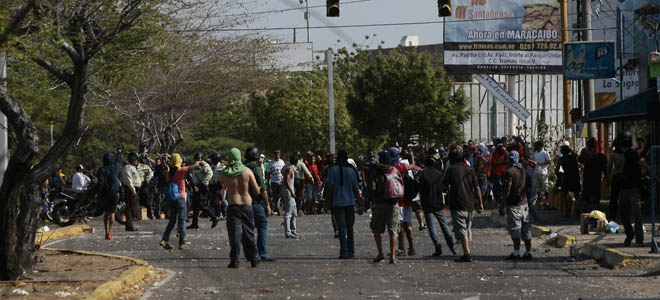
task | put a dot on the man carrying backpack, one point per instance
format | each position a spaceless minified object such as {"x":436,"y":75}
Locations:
{"x":433,"y":204}
{"x":387,"y":188}
{"x":463,"y":187}
{"x":517,"y":209}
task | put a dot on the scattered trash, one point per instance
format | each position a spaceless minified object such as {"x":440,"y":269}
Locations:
{"x":62,"y":294}
{"x":186,"y":289}
{"x":612,"y":227}
{"x":20,"y":292}
{"x":547,"y":250}
{"x":372,"y":297}
{"x":501,"y":272}
{"x":598,"y":215}
{"x":550,"y":236}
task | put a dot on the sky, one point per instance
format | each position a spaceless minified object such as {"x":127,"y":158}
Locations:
{"x":367,"y":12}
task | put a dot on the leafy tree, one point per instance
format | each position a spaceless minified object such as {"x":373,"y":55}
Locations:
{"x":63,"y":38}
{"x":400,"y":94}
{"x":294,"y":115}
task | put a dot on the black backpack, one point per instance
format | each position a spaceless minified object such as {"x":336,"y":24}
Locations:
{"x":410,"y":188}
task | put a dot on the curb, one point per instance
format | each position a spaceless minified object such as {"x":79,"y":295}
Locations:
{"x":43,"y":237}
{"x":610,"y":256}
{"x":536,"y":230}
{"x":112,"y":289}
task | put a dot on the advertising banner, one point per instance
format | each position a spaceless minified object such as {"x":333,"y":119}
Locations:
{"x":503,"y":37}
{"x":589,"y":60}
{"x":502,"y":96}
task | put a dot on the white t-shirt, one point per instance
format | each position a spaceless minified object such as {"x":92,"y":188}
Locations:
{"x":79,"y":181}
{"x":542,"y":157}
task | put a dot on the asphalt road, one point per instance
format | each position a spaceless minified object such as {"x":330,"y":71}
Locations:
{"x":309,"y":269}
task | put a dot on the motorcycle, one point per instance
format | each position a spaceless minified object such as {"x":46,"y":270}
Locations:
{"x":46,"y":213}
{"x":71,"y":205}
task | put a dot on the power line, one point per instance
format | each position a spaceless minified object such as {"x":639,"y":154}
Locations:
{"x":284,"y":10}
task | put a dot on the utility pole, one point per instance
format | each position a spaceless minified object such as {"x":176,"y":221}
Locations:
{"x":567,"y":84}
{"x":307,"y":17}
{"x":331,"y":98}
{"x":620,"y":48}
{"x":4,"y":146}
{"x":589,"y":96}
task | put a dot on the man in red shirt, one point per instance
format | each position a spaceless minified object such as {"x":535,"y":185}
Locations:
{"x":405,"y":205}
{"x":500,"y":160}
{"x":311,"y":184}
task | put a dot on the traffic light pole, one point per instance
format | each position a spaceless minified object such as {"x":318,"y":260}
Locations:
{"x":329,"y":57}
{"x":567,"y":84}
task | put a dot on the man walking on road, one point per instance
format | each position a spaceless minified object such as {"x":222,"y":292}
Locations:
{"x":433,"y":204}
{"x":289,"y":198}
{"x":260,"y":204}
{"x":109,"y":186}
{"x":463,"y":187}
{"x":130,"y":179}
{"x":343,"y":191}
{"x":517,"y":209}
{"x":240,"y":183}
{"x":385,"y":209}
{"x":201,"y":177}
{"x":629,"y":196}
{"x":177,"y":206}
{"x":274,"y":173}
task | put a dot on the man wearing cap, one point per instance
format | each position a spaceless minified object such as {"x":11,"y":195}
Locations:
{"x":463,"y":187}
{"x":79,"y":181}
{"x":240,"y":183}
{"x":274,"y":173}
{"x":517,"y":210}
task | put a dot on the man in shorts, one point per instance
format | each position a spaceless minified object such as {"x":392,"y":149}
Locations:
{"x":109,"y":186}
{"x":385,"y":211}
{"x":463,"y":187}
{"x":517,"y":209}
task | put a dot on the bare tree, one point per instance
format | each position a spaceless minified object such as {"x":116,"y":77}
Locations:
{"x":79,"y":30}
{"x":200,"y":71}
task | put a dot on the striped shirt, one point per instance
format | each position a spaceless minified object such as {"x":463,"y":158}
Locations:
{"x":275,"y":171}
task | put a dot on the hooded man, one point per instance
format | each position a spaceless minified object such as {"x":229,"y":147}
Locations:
{"x":177,"y":209}
{"x":517,"y":209}
{"x":240,"y":183}
{"x":594,"y":169}
{"x":109,"y":186}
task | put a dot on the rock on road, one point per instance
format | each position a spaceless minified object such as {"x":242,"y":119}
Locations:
{"x":309,"y":269}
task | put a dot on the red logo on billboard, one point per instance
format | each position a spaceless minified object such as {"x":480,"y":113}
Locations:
{"x":461,"y":12}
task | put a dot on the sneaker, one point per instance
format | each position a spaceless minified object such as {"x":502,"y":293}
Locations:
{"x":108,"y":236}
{"x":627,"y":242}
{"x":411,"y":252}
{"x":131,"y":228}
{"x":165,"y":245}
{"x":183,"y":247}
{"x":464,"y":258}
{"x":392,"y":261}
{"x":438,"y":252}
{"x":378,"y":258}
{"x":215,"y":223}
{"x":513,"y":257}
{"x":400,"y":252}
{"x":336,"y":235}
{"x":422,"y":227}
{"x":254,"y":263}
{"x":233,"y":265}
{"x":527,"y":256}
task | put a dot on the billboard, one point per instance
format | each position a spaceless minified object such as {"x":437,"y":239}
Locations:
{"x":503,"y":37}
{"x":589,"y":60}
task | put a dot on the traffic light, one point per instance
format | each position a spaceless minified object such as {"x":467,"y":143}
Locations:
{"x":444,"y":8}
{"x":332,"y":8}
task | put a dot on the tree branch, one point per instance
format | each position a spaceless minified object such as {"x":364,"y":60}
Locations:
{"x":16,"y":21}
{"x":57,"y":72}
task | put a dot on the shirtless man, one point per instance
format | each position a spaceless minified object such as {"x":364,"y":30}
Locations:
{"x":239,"y":181}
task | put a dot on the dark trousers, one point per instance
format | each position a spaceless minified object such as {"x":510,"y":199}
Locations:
{"x":240,"y":228}
{"x":275,"y":196}
{"x":299,"y":186}
{"x":590,"y":196}
{"x":345,"y":218}
{"x":197,"y":198}
{"x":615,"y":188}
{"x":214,"y":198}
{"x":261,"y":223}
{"x":146,"y":199}
{"x":132,"y":206}
{"x":158,"y":204}
{"x":631,"y":211}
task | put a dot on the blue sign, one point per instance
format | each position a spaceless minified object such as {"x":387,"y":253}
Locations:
{"x":589,"y":60}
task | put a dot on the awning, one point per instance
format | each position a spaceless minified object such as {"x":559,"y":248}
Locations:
{"x":642,"y":106}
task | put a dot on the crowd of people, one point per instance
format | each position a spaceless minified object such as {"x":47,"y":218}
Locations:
{"x":394,"y":186}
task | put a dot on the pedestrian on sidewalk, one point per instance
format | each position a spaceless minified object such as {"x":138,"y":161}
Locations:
{"x":629,"y":196}
{"x":109,"y":187}
{"x":130,"y":179}
{"x":289,"y":198}
{"x":387,"y":188}
{"x":433,"y":204}
{"x":240,"y":183}
{"x":177,"y":207}
{"x":463,"y":188}
{"x":260,"y":203}
{"x":344,"y":193}
{"x":516,"y":206}
{"x":594,"y":168}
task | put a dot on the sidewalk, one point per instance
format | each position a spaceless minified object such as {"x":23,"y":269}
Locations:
{"x":608,"y":248}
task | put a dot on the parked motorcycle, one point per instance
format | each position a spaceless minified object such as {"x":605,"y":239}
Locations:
{"x":71,"y":205}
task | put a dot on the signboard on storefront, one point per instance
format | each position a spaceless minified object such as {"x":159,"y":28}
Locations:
{"x":589,"y":60}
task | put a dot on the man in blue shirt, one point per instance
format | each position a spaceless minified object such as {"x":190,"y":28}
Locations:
{"x":344,"y":191}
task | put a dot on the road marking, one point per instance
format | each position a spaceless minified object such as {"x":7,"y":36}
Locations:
{"x":147,"y":294}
